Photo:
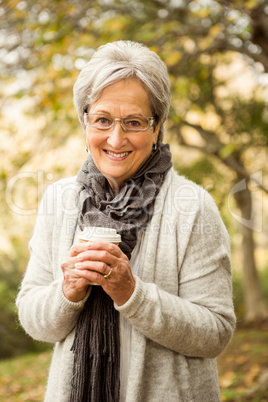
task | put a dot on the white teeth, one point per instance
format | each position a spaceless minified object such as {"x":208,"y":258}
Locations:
{"x":118,"y":155}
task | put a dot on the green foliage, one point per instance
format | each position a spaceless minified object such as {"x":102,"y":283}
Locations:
{"x":44,"y":44}
{"x":24,"y":378}
{"x":55,"y":39}
{"x":13,"y":339}
{"x":238,"y":294}
{"x":199,"y":171}
{"x":264,"y":281}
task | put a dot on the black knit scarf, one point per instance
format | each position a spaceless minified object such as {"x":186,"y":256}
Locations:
{"x":96,"y":346}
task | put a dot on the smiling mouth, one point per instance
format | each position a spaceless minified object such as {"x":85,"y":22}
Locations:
{"x":117,"y":155}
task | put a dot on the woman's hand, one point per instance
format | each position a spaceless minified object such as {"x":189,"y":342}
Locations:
{"x":74,"y":287}
{"x":100,"y":259}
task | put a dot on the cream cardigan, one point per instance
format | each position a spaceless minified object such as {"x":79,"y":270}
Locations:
{"x":181,"y":310}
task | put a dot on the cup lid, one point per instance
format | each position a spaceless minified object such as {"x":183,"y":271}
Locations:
{"x":99,"y":233}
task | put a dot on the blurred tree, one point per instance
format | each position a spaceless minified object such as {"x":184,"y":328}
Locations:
{"x":45,"y":43}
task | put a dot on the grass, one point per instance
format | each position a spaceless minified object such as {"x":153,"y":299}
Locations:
{"x":24,"y":378}
{"x":243,"y":367}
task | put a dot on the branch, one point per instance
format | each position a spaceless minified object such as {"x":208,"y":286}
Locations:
{"x":219,"y":46}
{"x":230,"y":161}
{"x":192,"y":56}
{"x":259,"y":57}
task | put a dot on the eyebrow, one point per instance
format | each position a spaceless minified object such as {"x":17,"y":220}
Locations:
{"x":108,"y":113}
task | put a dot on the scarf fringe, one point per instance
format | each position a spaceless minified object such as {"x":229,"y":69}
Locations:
{"x":96,"y":351}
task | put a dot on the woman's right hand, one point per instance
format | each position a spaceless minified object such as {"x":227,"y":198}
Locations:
{"x":74,"y":287}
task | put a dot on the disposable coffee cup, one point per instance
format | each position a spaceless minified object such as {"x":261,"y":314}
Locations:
{"x":92,"y":233}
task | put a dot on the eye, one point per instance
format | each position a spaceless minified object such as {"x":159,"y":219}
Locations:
{"x":100,"y":120}
{"x":134,"y":122}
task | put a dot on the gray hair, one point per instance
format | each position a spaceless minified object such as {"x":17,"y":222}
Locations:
{"x":117,"y":61}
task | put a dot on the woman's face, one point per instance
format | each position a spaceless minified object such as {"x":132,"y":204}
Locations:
{"x":119,"y":154}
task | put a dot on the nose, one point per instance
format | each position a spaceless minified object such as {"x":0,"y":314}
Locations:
{"x":117,"y":136}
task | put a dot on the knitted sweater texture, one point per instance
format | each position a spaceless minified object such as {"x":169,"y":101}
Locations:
{"x":181,"y":310}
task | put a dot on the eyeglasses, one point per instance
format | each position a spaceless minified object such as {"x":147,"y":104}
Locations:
{"x":103,"y":121}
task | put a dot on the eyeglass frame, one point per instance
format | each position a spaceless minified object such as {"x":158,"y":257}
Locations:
{"x":150,"y":121}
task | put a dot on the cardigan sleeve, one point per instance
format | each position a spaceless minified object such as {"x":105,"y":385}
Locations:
{"x":44,"y":311}
{"x":199,"y":320}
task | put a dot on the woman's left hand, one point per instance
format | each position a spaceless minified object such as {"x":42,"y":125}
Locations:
{"x":102,"y":259}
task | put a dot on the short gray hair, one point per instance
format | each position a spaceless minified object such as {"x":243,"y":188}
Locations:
{"x":119,"y":60}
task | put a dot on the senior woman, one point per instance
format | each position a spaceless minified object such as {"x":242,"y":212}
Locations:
{"x":163,"y":309}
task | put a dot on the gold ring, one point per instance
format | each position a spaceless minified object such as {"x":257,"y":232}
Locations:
{"x":107,"y":275}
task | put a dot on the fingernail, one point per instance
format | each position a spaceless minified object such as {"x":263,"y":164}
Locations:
{"x":78,"y":265}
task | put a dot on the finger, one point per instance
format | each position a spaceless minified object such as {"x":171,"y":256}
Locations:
{"x":69,"y":273}
{"x":93,"y":266}
{"x":79,"y":248}
{"x":110,"y":247}
{"x":69,"y":263}
{"x":90,"y":275}
{"x":75,"y":287}
{"x":106,"y":276}
{"x":97,"y":255}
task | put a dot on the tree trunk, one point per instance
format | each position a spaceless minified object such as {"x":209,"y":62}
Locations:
{"x":256,"y":309}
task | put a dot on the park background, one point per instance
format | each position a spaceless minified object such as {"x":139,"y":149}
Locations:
{"x":217,"y":57}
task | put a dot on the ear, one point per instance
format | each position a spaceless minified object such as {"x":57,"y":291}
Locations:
{"x":156,"y":132}
{"x":85,"y":119}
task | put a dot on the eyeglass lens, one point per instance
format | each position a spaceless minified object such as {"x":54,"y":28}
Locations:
{"x":130,"y":123}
